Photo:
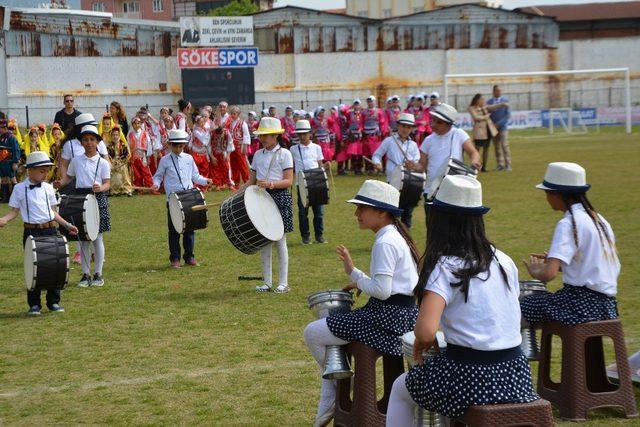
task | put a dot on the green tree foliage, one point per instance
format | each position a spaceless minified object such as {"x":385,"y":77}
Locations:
{"x":235,"y":8}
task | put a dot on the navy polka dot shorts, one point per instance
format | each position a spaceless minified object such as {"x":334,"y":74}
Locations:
{"x":378,"y":325}
{"x":448,"y":386}
{"x":571,"y":305}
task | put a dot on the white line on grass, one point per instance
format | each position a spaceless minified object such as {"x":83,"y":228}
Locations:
{"x":153,"y":378}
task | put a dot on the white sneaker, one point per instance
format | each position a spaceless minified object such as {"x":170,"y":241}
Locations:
{"x":85,"y":281}
{"x":263,"y":288}
{"x":282,"y":289}
{"x":97,"y":280}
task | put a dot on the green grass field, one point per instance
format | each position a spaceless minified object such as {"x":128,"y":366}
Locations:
{"x":195,"y":346}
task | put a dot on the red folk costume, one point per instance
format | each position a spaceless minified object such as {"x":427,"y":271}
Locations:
{"x":139,"y":145}
{"x":392,"y":114}
{"x":238,"y":132}
{"x":200,"y":149}
{"x":423,"y":122}
{"x":255,"y":141}
{"x":181,"y":122}
{"x":220,"y":173}
{"x":289,"y":126}
{"x":373,"y":126}
{"x":355,"y":126}
{"x":323,"y":128}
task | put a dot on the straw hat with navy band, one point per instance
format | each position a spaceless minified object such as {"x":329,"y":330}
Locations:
{"x":406,"y":119}
{"x":446,"y":113}
{"x":178,"y":136}
{"x":460,"y":194}
{"x":379,"y":195}
{"x":90,"y":130}
{"x":85,"y":119}
{"x":565,"y":177}
{"x":38,"y":159}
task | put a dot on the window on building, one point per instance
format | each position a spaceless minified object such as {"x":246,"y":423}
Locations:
{"x":386,"y":13}
{"x":265,"y":39}
{"x":98,"y":7}
{"x":131,"y":7}
{"x":158,"y":6}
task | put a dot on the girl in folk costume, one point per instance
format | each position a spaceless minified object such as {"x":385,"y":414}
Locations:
{"x":139,"y":144}
{"x":35,"y":142}
{"x":289,"y":125}
{"x":323,"y":129}
{"x":252,"y":124}
{"x":200,"y":148}
{"x":342,"y":157}
{"x":392,"y":112}
{"x":239,"y":136}
{"x":583,"y":248}
{"x":44,"y":138}
{"x":182,"y":116}
{"x":105,"y":129}
{"x":167,"y":125}
{"x":272,"y":169}
{"x":423,"y":119}
{"x":220,"y":171}
{"x":355,"y":146}
{"x":120,"y":157}
{"x":373,"y":126}
{"x":391,"y":310}
{"x":118,"y":116}
{"x":470,"y":289}
{"x":152,"y":126}
{"x":14,"y":129}
{"x":57,"y":139}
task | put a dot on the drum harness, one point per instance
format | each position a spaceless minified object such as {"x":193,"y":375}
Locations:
{"x":177,"y":171}
{"x":26,"y":199}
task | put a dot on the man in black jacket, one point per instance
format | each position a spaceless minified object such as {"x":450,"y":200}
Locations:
{"x":66,"y":117}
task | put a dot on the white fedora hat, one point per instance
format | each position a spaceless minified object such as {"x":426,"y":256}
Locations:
{"x":269,"y":126}
{"x":460,"y":194}
{"x":380,"y":195}
{"x":178,"y":136}
{"x":91,"y":130}
{"x":37,"y":159}
{"x":85,"y":119}
{"x":565,"y":177}
{"x":303,"y":126}
{"x":445,"y":112}
{"x":407,"y":119}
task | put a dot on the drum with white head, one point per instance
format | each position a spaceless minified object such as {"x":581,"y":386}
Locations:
{"x":82,"y":211}
{"x":183,"y":217}
{"x":313,"y":186}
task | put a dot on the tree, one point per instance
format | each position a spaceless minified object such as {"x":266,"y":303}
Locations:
{"x":235,"y":8}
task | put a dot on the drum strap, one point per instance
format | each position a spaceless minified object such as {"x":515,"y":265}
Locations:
{"x":95,"y":175}
{"x":177,"y":171}
{"x":276,"y":154}
{"x":26,"y":200}
{"x":404,"y":152}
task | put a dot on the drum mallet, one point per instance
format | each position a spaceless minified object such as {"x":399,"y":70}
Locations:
{"x":204,"y":207}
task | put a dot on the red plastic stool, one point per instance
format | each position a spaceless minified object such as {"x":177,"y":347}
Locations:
{"x":365,"y":409}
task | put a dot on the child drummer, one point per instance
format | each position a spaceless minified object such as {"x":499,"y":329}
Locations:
{"x":34,"y":199}
{"x":178,"y":171}
{"x":307,"y":155}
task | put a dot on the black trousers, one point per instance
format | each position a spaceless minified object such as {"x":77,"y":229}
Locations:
{"x":188,"y":241}
{"x":53,"y":295}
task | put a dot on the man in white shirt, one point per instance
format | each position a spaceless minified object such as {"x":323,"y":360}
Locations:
{"x":399,"y":149}
{"x":446,"y":142}
{"x":307,"y":155}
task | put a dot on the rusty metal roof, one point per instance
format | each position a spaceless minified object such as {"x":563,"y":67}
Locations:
{"x":588,"y":11}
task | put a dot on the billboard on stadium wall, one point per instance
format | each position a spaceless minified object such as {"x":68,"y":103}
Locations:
{"x":216,"y":31}
{"x":519,"y":120}
{"x":211,"y":57}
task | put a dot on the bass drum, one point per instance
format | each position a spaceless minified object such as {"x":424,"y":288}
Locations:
{"x":182,"y":216}
{"x":410,"y":185}
{"x":251,"y":219}
{"x":82,"y":211}
{"x":46,"y":262}
{"x":313,"y":186}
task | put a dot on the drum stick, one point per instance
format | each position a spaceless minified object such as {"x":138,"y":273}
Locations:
{"x":206,"y":206}
{"x":333,"y":184}
{"x":142,"y":188}
{"x":249,"y":277}
{"x":368,"y":160}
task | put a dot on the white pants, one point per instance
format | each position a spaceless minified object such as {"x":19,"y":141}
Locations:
{"x":402,"y":408}
{"x":85,"y":255}
{"x":317,"y":336}
{"x":283,"y":258}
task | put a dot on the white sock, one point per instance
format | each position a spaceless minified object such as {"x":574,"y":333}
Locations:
{"x":98,"y":246}
{"x":283,"y":261}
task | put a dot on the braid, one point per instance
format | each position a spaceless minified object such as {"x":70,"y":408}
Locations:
{"x":404,"y":232}
{"x":600,"y":226}
{"x":568,"y":202}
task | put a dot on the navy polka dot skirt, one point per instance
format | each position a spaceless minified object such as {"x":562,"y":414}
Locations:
{"x":284,"y":201}
{"x":571,"y":305}
{"x":103,"y":208}
{"x":449,"y":386}
{"x":378,"y":325}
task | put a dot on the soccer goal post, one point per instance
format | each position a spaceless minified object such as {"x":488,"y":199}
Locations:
{"x":451,"y":79}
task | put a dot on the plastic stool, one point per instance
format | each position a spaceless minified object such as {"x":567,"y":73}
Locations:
{"x":365,"y":409}
{"x":533,"y":414}
{"x":584,"y":384}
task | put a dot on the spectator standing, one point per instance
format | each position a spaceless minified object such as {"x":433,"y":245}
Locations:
{"x":483,"y":127}
{"x":119,"y":117}
{"x":500,"y":117}
{"x":66,"y":117}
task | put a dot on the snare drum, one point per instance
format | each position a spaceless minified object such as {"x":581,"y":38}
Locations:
{"x":313,"y":186}
{"x":410,"y":184}
{"x":46,"y":262}
{"x":82,"y":211}
{"x":330,"y":302}
{"x":453,"y":167}
{"x":183,"y":217}
{"x":251,"y":219}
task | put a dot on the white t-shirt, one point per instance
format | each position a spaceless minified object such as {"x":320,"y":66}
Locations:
{"x":593,"y":263}
{"x":395,"y":156}
{"x":439,"y":148}
{"x":490,"y":319}
{"x":89,"y":170}
{"x":73,"y":148}
{"x":262,"y":159}
{"x":306,"y":156}
{"x":35,"y":204}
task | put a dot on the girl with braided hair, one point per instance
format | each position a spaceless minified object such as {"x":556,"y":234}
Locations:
{"x":583,"y":248}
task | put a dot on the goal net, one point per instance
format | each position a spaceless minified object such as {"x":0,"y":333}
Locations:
{"x":565,"y":101}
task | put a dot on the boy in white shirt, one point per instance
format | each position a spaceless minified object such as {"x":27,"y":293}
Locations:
{"x":34,"y":200}
{"x":307,"y":155}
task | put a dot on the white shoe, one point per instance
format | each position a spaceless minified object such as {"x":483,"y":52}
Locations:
{"x":326,"y":417}
{"x":263,"y":288}
{"x":282,"y":289}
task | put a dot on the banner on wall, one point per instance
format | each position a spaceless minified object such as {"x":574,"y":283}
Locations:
{"x":216,"y":31}
{"x":212,"y":57}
